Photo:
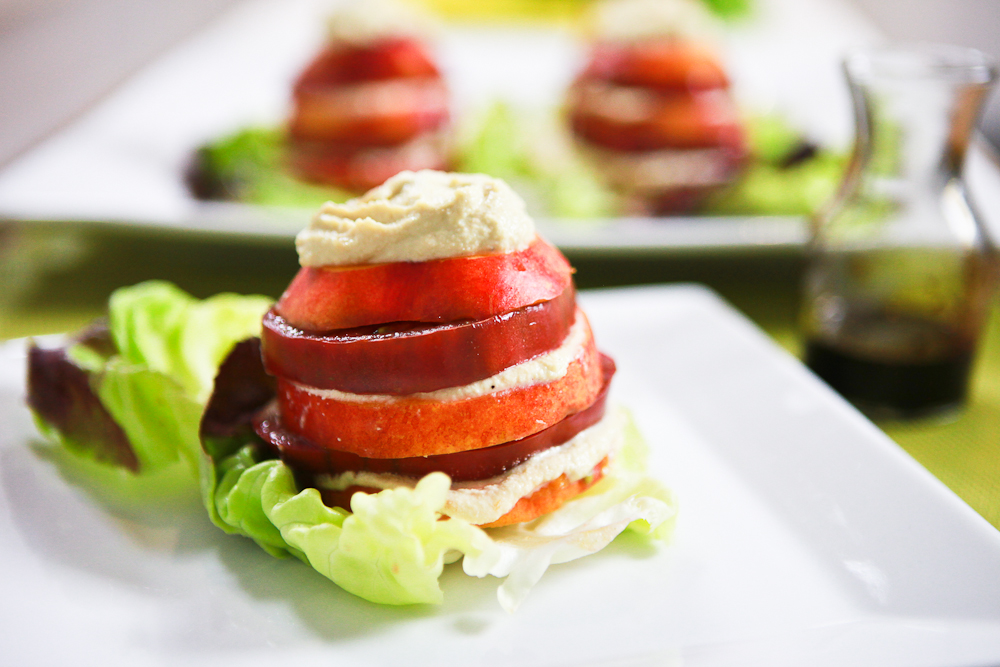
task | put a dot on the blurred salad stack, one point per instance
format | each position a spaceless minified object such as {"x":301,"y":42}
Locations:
{"x":652,"y":110}
{"x":643,"y":120}
{"x":372,"y":103}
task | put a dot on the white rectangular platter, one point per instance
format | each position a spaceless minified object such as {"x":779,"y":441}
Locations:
{"x":805,"y":537}
{"x":124,"y":160}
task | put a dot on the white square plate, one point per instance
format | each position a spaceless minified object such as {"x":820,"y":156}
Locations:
{"x":805,"y":537}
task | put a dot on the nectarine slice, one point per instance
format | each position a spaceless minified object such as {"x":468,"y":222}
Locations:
{"x":669,"y":64}
{"x":307,"y":457}
{"x":401,"y":427}
{"x":384,"y":59}
{"x":406,"y":358}
{"x":665,"y":120}
{"x":444,"y":290}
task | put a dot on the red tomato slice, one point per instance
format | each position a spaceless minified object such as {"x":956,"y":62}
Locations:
{"x":406,"y":358}
{"x":665,"y":120}
{"x":403,"y":427}
{"x":670,"y":64}
{"x":443,"y":290}
{"x":361,"y":169}
{"x":307,"y":457}
{"x":385,"y":59}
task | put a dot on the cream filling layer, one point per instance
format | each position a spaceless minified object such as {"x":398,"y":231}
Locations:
{"x":543,"y":369}
{"x":484,"y":501}
{"x":655,"y":170}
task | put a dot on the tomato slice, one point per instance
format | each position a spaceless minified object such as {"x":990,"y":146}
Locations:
{"x":668,"y":64}
{"x":361,"y":169}
{"x":664,"y":120}
{"x":406,"y":358}
{"x":443,"y":290}
{"x":389,"y":58}
{"x":307,"y":457}
{"x":406,"y":426}
{"x":379,"y":113}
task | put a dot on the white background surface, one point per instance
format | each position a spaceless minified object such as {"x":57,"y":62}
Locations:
{"x":805,"y":538}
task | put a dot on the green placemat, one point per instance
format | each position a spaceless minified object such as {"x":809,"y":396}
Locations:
{"x":964,"y":452}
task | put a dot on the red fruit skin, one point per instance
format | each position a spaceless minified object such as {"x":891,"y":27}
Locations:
{"x":385,"y":59}
{"x":443,"y":290}
{"x":665,"y":64}
{"x":308,"y":458}
{"x":406,"y":359}
{"x":359,"y":169}
{"x":411,"y":426}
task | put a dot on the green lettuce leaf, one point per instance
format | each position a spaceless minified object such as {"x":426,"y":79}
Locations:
{"x":392,"y":546}
{"x":157,"y":372}
{"x":250,"y":166}
{"x":390,"y":549}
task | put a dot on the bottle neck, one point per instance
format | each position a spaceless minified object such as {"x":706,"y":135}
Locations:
{"x":913,"y":133}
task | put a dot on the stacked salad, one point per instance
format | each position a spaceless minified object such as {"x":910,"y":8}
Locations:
{"x":426,"y":390}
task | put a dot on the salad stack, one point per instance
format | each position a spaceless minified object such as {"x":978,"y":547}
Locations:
{"x":652,"y":110}
{"x":426,"y":390}
{"x":372,"y":103}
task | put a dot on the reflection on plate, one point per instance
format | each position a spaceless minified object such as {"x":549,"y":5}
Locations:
{"x":805,"y":537}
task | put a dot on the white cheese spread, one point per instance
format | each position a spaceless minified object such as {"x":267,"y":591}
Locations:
{"x":416,"y":217}
{"x":542,"y":369}
{"x":484,"y":501}
{"x":360,"y":22}
{"x":638,"y":20}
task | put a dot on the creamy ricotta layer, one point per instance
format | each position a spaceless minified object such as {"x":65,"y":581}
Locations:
{"x":637,"y":20}
{"x":485,"y":501}
{"x":543,"y":369}
{"x":416,"y":217}
{"x":360,"y":22}
{"x":620,"y":104}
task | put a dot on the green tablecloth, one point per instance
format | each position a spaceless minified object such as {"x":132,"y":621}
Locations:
{"x":57,"y":278}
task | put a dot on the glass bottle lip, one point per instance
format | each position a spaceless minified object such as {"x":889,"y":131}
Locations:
{"x":921,"y":61}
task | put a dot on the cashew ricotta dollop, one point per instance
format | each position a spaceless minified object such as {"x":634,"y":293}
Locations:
{"x":361,"y":22}
{"x":416,"y":217}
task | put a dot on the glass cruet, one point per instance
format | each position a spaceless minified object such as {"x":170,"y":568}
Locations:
{"x":901,"y":268}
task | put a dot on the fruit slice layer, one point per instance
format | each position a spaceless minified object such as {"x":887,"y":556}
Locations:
{"x":667,"y":64}
{"x":374,"y":114}
{"x":475,"y":464}
{"x":400,"y":427}
{"x":407,"y":358}
{"x":383,"y":59}
{"x":444,"y":290}
{"x":359,"y":169}
{"x":659,"y":120}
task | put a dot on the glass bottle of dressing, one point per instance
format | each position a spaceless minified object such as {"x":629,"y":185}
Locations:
{"x":902,"y":270}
